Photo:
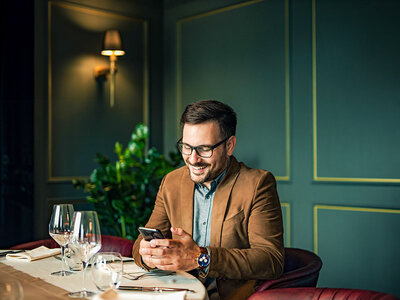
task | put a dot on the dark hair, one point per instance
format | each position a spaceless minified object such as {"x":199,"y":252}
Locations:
{"x":211,"y":110}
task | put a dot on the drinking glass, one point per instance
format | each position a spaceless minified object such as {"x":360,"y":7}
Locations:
{"x":107,"y":270}
{"x":60,"y":230}
{"x":85,"y":242}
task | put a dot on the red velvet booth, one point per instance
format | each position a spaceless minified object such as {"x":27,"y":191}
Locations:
{"x":301,"y":269}
{"x":108,"y":244}
{"x":311,"y":293}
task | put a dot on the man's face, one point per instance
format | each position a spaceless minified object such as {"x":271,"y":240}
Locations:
{"x":205,"y":170}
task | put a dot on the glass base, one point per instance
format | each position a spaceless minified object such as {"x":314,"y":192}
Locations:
{"x":81,"y":294}
{"x":62,"y":273}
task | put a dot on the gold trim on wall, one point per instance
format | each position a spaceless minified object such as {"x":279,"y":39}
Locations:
{"x":288,"y":218}
{"x":287,"y":70}
{"x":96,"y":12}
{"x":345,"y":208}
{"x":314,"y":97}
{"x":287,"y":94}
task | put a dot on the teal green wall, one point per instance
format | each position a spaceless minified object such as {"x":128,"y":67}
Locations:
{"x":316,"y":88}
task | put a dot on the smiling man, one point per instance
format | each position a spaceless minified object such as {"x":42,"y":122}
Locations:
{"x":222,"y":219}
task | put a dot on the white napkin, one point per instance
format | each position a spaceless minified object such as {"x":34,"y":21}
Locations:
{"x":34,"y":254}
{"x":113,"y":295}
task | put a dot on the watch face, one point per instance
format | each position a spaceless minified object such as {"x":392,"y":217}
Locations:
{"x":203,"y":260}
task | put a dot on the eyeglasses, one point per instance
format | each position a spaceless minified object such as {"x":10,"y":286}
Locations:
{"x":204,"y":151}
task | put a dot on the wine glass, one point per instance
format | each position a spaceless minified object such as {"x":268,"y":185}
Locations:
{"x":107,"y":270}
{"x":60,"y":229}
{"x":85,"y":242}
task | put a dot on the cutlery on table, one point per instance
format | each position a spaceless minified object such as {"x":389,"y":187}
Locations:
{"x":10,"y":251}
{"x":153,"y":289}
{"x":124,"y":261}
{"x":133,"y":276}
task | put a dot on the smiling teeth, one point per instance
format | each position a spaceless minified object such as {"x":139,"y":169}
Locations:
{"x":199,"y":168}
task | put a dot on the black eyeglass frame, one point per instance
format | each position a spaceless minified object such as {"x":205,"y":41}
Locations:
{"x":180,"y":144}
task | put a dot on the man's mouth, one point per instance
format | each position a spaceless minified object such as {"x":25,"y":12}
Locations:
{"x":198,"y":169}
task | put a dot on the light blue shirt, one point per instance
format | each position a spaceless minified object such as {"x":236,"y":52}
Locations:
{"x":203,"y":199}
{"x":203,"y":203}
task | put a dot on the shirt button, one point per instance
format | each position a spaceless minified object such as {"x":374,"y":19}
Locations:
{"x":204,"y":223}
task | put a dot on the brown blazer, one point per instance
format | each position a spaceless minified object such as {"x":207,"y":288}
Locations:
{"x":246,"y":226}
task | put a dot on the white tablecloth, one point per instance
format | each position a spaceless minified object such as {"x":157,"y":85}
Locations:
{"x":43,"y":267}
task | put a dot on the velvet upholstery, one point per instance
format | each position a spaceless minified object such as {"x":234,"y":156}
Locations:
{"x":108,"y":244}
{"x":301,"y":269}
{"x":311,"y":293}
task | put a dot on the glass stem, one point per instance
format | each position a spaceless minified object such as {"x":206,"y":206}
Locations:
{"x":63,"y":259}
{"x":85,"y":264}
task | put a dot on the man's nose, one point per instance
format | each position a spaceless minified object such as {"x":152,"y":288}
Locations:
{"x":194,"y":157}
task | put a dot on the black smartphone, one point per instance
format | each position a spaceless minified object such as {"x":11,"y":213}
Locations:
{"x":150,"y":233}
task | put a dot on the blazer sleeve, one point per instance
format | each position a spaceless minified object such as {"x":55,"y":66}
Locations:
{"x":264,"y":257}
{"x":158,"y":219}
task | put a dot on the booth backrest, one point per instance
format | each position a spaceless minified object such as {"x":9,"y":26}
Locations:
{"x":301,"y":269}
{"x":108,"y":244}
{"x":320,"y":294}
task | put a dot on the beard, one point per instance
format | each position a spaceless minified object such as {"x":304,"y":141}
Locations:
{"x":205,"y":172}
{"x":202,"y":177}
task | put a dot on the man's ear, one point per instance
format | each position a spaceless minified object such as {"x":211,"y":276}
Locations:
{"x":230,"y":145}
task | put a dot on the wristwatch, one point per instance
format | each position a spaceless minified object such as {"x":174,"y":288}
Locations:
{"x":203,"y":260}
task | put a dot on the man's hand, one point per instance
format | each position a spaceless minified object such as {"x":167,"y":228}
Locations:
{"x":168,"y":254}
{"x":145,"y":248}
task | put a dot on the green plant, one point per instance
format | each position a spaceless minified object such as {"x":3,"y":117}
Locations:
{"x":123,"y":192}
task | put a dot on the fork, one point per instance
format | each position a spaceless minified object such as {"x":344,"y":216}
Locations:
{"x":133,"y":277}
{"x":10,"y":251}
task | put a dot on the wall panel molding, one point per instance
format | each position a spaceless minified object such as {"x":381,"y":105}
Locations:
{"x":287,"y":228}
{"x":345,"y":208}
{"x":317,"y":177}
{"x":182,"y":21}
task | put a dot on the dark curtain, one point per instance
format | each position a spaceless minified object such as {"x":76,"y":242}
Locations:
{"x":16,"y":121}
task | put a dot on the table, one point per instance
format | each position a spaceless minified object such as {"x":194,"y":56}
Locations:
{"x":39,"y":284}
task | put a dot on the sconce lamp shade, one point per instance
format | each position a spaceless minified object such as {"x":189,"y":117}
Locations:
{"x":112,"y":43}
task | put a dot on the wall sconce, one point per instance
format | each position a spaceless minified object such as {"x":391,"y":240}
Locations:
{"x":112,"y":47}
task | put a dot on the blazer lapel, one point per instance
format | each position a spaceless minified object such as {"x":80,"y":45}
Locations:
{"x":221,"y":198}
{"x":186,"y":202}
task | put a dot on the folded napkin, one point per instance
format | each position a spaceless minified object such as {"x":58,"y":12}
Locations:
{"x":113,"y":295}
{"x":34,"y":254}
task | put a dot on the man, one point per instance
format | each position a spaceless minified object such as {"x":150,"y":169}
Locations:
{"x":221,"y":218}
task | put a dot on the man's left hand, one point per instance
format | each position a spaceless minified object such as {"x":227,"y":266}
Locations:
{"x":174,"y":254}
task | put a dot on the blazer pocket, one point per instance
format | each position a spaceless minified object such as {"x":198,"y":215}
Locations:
{"x":234,"y":231}
{"x":237,"y":218}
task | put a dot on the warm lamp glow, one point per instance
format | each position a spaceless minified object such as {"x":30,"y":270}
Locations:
{"x":113,"y":52}
{"x":112,"y":47}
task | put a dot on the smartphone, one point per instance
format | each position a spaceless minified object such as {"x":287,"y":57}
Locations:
{"x":150,"y":233}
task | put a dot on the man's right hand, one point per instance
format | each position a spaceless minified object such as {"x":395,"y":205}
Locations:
{"x":144,"y":250}
{"x":171,"y":254}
